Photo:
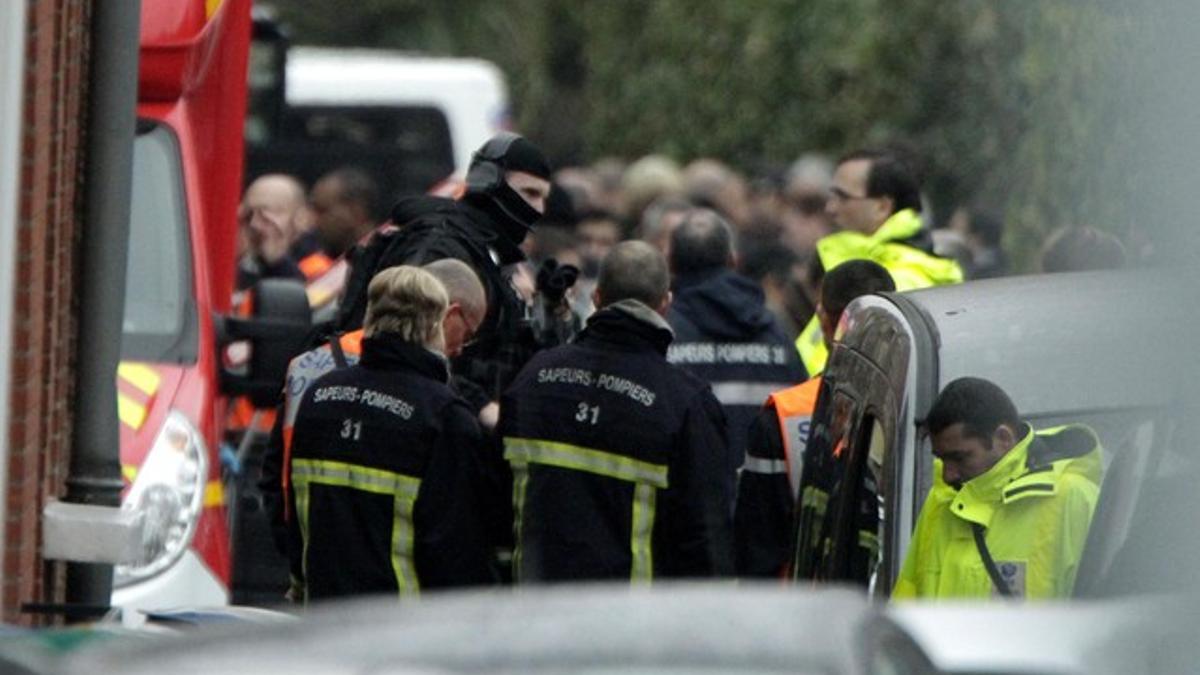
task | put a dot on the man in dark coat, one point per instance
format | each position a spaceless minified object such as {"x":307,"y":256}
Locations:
{"x":724,"y":332}
{"x":385,"y":473}
{"x":618,"y":457}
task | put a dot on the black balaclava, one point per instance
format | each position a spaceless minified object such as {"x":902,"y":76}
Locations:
{"x":488,"y":191}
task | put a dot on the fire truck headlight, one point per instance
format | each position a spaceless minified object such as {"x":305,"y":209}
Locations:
{"x":169,"y":490}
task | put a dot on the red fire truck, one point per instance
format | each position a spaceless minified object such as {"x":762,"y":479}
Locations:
{"x":172,"y":385}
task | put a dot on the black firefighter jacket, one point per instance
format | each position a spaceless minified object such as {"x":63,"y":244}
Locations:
{"x":618,"y":459}
{"x":725,"y":335}
{"x":385,"y":478}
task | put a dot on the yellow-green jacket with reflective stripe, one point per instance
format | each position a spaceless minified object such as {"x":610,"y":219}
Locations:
{"x":1036,"y":506}
{"x":385,"y":478}
{"x":890,"y":246}
{"x":618,"y":459}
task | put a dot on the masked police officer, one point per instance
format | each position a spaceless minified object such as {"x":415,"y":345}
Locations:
{"x":618,"y":458}
{"x":506,"y":191}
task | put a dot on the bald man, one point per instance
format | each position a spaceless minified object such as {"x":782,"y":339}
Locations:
{"x":468,"y":302}
{"x":272,"y":216}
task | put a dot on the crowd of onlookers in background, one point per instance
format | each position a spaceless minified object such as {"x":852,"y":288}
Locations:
{"x":778,"y":220}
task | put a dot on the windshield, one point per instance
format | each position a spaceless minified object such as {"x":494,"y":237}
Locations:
{"x":160,"y":318}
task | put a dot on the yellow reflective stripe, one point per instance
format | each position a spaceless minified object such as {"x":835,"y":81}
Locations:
{"x":300,"y":490}
{"x":646,"y":476}
{"x":402,"y":547}
{"x":141,"y":376}
{"x":404,"y":489}
{"x":363,"y":478}
{"x":520,"y":484}
{"x":129,"y":472}
{"x":869,"y":541}
{"x":131,"y":413}
{"x":567,"y":456}
{"x":214,"y":494}
{"x":644,"y":498}
{"x":815,"y":499}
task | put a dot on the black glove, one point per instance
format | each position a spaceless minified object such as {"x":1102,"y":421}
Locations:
{"x":553,"y":280}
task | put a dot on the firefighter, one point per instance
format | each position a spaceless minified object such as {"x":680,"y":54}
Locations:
{"x":778,"y":437}
{"x":1010,"y":508}
{"x":468,"y":306}
{"x":384,"y":465}
{"x":724,"y":333}
{"x":618,"y":457}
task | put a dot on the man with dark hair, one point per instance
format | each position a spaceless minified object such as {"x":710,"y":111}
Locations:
{"x":876,"y":201}
{"x":983,"y":232}
{"x":774,"y":267}
{"x":618,"y":458}
{"x":778,"y":438}
{"x":1009,"y":511}
{"x":344,"y":203}
{"x":724,"y":334}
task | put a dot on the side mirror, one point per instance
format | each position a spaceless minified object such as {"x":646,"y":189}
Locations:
{"x":277,"y":331}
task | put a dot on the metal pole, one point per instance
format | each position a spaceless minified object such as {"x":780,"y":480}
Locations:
{"x":95,"y":471}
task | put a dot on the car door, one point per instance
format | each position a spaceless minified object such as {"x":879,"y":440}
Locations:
{"x":853,"y":456}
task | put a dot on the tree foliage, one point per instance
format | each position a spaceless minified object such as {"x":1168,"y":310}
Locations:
{"x":1014,"y":104}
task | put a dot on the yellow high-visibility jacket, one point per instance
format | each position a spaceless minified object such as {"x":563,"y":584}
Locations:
{"x":1036,"y":514}
{"x":910,"y":268}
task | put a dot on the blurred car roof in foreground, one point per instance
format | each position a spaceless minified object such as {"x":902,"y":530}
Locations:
{"x":717,"y":627}
{"x":1149,"y":634}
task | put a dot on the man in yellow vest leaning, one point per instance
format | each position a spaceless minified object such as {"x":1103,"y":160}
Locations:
{"x":1010,"y":507}
{"x":876,"y":202}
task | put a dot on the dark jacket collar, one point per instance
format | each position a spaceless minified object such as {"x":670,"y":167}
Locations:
{"x":722,"y":304}
{"x":389,"y":352}
{"x":629,"y":323}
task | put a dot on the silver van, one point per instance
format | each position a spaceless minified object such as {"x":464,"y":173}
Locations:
{"x":1086,"y":348}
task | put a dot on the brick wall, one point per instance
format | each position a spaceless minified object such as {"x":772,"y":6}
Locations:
{"x":43,"y":327}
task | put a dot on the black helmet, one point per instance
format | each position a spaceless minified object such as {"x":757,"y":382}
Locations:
{"x":488,"y":190}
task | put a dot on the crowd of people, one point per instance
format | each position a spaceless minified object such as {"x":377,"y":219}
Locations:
{"x":598,"y":372}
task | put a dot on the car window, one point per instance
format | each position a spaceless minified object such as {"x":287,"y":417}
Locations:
{"x":1138,"y":543}
{"x":159,"y":322}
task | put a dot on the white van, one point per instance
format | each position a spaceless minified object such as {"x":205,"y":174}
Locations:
{"x":470,"y":94}
{"x":412,"y":121}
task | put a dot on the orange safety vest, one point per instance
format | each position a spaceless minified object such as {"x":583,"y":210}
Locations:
{"x":794,"y":408}
{"x":327,"y":286}
{"x":314,"y":265}
{"x":301,"y":373}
